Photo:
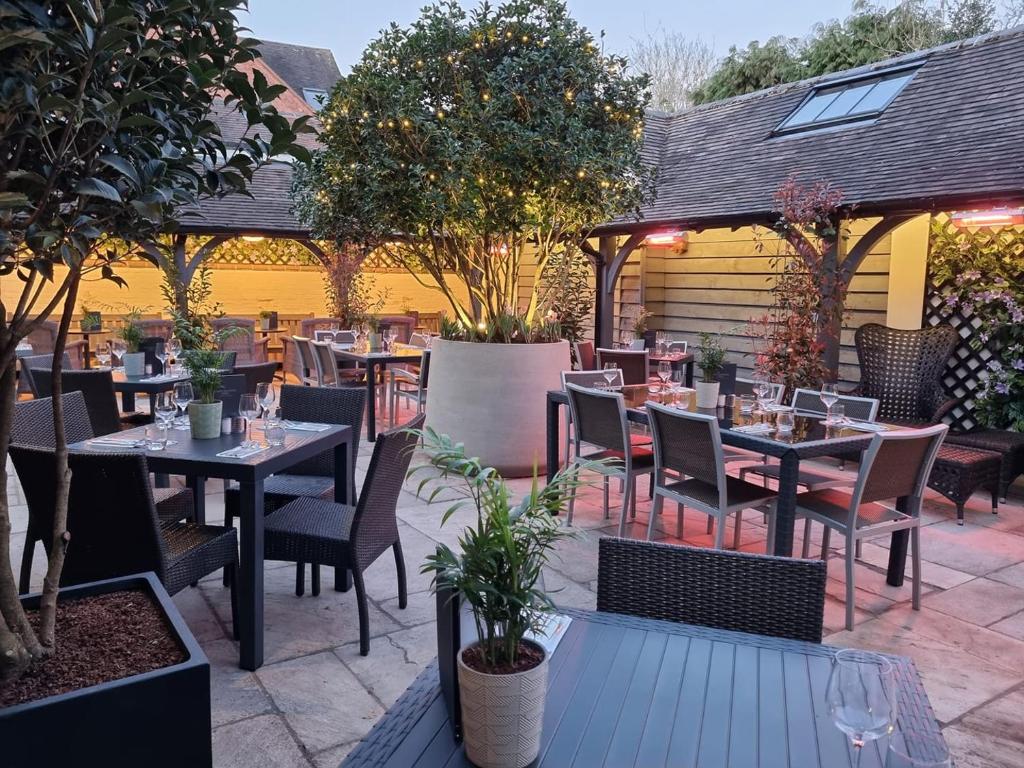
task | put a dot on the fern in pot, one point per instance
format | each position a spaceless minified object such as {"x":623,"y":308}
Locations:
{"x":497,"y":573}
{"x":710,"y":359}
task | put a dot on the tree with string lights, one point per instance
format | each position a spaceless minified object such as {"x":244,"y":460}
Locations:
{"x":474,"y":142}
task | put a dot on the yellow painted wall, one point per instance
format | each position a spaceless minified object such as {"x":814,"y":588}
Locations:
{"x":908,"y":271}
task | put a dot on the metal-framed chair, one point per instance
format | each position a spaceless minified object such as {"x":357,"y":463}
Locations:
{"x":854,"y":406}
{"x":43,"y":364}
{"x":410,"y":385}
{"x":896,"y":465}
{"x":678,"y":346}
{"x":632,"y":363}
{"x":590,"y":380}
{"x":746,"y":387}
{"x":307,"y":361}
{"x":123,"y":536}
{"x":689,"y":445}
{"x":600,"y":420}
{"x":586,"y":358}
{"x":349,"y":538}
{"x":739,"y":591}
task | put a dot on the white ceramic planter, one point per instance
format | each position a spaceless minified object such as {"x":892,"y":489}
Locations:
{"x":502,"y":715}
{"x":707,"y":394}
{"x":134,"y":363}
{"x":493,"y":398}
{"x":204,"y":419}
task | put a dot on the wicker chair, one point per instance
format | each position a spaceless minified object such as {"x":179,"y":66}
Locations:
{"x":689,"y":445}
{"x":122,"y":537}
{"x":632,"y":363}
{"x":586,"y":359}
{"x":307,"y":361}
{"x":774,"y":596}
{"x":402,"y":325}
{"x":257,"y":373}
{"x":410,"y":385}
{"x":600,"y":421}
{"x":100,"y":398}
{"x":349,"y":538}
{"x":896,"y":465}
{"x":245,"y":345}
{"x":42,"y":363}
{"x":310,"y":325}
{"x":156,"y":328}
{"x":44,"y":338}
{"x":590,"y":380}
{"x":903,"y":370}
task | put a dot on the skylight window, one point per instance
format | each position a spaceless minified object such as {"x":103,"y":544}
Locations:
{"x":315,"y":97}
{"x":846,"y":102}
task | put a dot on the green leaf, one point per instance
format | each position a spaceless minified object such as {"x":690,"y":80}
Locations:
{"x":93,"y":187}
{"x":122,"y":166}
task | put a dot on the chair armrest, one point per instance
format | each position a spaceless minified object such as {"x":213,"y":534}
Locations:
{"x":259,"y":349}
{"x":941,"y":404}
{"x":76,"y":351}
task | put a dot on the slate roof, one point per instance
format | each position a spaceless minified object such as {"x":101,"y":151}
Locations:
{"x":301,"y":66}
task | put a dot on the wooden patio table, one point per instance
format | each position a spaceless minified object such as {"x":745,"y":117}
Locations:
{"x":809,"y":439}
{"x":626,"y":691}
{"x":197,"y":460}
{"x":374,"y":362}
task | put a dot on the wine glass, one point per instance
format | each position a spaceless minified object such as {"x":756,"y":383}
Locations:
{"x":392,"y":337}
{"x":165,"y":408}
{"x":664,"y":372}
{"x":248,"y":408}
{"x":860,"y":696}
{"x":182,"y":397}
{"x":610,"y":373}
{"x":829,"y":397}
{"x":923,"y":752}
{"x":160,"y":353}
{"x":117,"y":349}
{"x":103,"y":355}
{"x":265,"y":395}
{"x":760,"y":388}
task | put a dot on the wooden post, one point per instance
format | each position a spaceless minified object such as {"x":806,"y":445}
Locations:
{"x":604,"y":316}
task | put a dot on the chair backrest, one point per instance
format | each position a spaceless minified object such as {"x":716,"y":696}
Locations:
{"x":860,"y":408}
{"x":739,"y":591}
{"x":310,"y":325}
{"x":690,"y":444}
{"x":43,"y":338}
{"x":307,"y":359}
{"x":96,"y":386}
{"x":112,"y":521}
{"x":156,"y":327}
{"x":326,"y":364}
{"x":402,"y":325}
{"x":232,"y":387}
{"x":419,"y":340}
{"x":375,"y":525}
{"x":241,"y":342}
{"x":746,"y":387}
{"x":904,"y":369}
{"x":600,"y":418}
{"x":33,"y":421}
{"x":150,"y":346}
{"x":324,"y":335}
{"x":896,"y":464}
{"x":345,"y":337}
{"x":256,"y":373}
{"x":424,"y":370}
{"x":586,"y":359}
{"x":227,"y":361}
{"x":632,"y":363}
{"x":323,"y":405}
{"x":44,"y":365}
{"x":591,"y":379}
{"x":678,"y":346}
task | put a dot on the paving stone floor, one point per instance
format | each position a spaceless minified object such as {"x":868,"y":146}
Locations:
{"x":316,"y":696}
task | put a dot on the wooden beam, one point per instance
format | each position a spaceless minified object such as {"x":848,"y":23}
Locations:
{"x":604,"y":312}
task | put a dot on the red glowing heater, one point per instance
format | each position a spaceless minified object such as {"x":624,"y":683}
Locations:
{"x":663,"y":239}
{"x":995,"y":217}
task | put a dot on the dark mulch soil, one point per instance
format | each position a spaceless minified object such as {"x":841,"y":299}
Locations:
{"x":99,"y":639}
{"x":529,"y":657}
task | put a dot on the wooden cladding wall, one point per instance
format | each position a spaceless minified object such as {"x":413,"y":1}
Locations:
{"x":722,"y":280}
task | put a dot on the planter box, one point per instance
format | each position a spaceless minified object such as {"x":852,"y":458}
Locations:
{"x":159,"y":719}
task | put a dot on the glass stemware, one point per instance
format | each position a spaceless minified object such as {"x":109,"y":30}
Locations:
{"x":265,"y":395}
{"x":829,"y":397}
{"x":664,"y":372}
{"x":860,"y":696}
{"x":103,"y":355}
{"x":760,"y":388}
{"x":164,"y":408}
{"x":160,"y":353}
{"x":182,"y":397}
{"x":923,"y":752}
{"x":117,"y":349}
{"x":610,"y":373}
{"x":249,"y":409}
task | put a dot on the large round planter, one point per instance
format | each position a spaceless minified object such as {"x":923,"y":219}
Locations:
{"x":707,"y":394}
{"x":134,"y":363}
{"x":204,"y":419}
{"x":493,"y":398}
{"x":502,"y":715}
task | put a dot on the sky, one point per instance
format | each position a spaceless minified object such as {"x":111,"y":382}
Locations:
{"x":346,"y":26}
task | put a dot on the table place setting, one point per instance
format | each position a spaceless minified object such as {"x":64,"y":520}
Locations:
{"x":754,"y":429}
{"x":305,"y":426}
{"x":116,"y":442}
{"x":243,"y":451}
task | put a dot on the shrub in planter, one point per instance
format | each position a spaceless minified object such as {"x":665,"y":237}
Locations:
{"x":204,"y":413}
{"x":710,"y":359}
{"x":91,"y":320}
{"x":130,"y":333}
{"x":157,"y":715}
{"x":502,"y":676}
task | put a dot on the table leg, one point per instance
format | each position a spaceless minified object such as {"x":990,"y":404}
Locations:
{"x":898,"y":551}
{"x":128,"y":402}
{"x":689,"y":374}
{"x":371,"y":400}
{"x":198,"y":486}
{"x":552,"y":438}
{"x":250,"y":576}
{"x":785,"y":508}
{"x":87,"y":353}
{"x":344,"y":474}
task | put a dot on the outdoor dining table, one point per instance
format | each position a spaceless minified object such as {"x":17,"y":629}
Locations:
{"x":197,"y":460}
{"x":629,"y":691}
{"x":87,"y":352}
{"x":129,"y":386}
{"x":679,"y":361}
{"x":374,"y":362}
{"x":809,"y":439}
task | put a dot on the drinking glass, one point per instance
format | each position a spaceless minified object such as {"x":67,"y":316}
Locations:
{"x":829,"y":397}
{"x":160,"y":353}
{"x":174,"y":347}
{"x":249,"y":409}
{"x":164,"y":407}
{"x":274,"y":432}
{"x":103,"y":355}
{"x":610,"y":374}
{"x":664,"y":371}
{"x":683,"y":399}
{"x":923,"y":752}
{"x":392,"y":336}
{"x":784,"y":422}
{"x":860,"y":696}
{"x":265,"y":396}
{"x":838,"y":416}
{"x":156,"y":436}
{"x":182,"y":397}
{"x":760,"y":388}
{"x":746,"y":404}
{"x":117,"y":349}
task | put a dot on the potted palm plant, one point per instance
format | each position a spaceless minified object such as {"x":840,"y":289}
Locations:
{"x":134,"y":362}
{"x":497,"y":572}
{"x":204,"y":412}
{"x":710,"y":359}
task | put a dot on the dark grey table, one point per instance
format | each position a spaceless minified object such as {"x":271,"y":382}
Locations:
{"x":197,"y":460}
{"x":809,"y":439}
{"x":130,"y":386}
{"x":679,"y":362}
{"x":374,"y":362}
{"x":624,"y":691}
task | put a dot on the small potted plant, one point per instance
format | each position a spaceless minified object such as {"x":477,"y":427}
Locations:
{"x":710,"y":359}
{"x":134,"y":362}
{"x":641,"y":332}
{"x":268,"y":320}
{"x":503,"y":674}
{"x":204,"y":412}
{"x":373,"y":338}
{"x":92,"y":320}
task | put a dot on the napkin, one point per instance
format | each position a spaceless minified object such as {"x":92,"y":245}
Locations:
{"x":117,"y":442}
{"x":158,"y":377}
{"x":241,"y":452}
{"x":778,"y":408}
{"x":865,"y":426}
{"x":754,"y":429}
{"x":305,"y":426}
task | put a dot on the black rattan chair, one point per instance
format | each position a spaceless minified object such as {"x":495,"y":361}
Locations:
{"x":759,"y":594}
{"x":257,"y":373}
{"x":322,"y":532}
{"x":42,"y":364}
{"x":113,"y":524}
{"x":100,"y":399}
{"x":903,"y":370}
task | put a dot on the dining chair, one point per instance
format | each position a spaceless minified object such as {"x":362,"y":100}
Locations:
{"x":738,"y":591}
{"x":600,"y":421}
{"x":746,"y":387}
{"x":349,"y":538}
{"x":679,"y":347}
{"x":586,"y":359}
{"x":895,"y":466}
{"x":419,"y":340}
{"x":243,"y":341}
{"x":257,"y":373}
{"x":689,"y":445}
{"x":632,"y":363}
{"x":156,"y":327}
{"x":590,"y":380}
{"x":44,"y":365}
{"x":410,"y":385}
{"x":854,"y":407}
{"x":97,"y":387}
{"x":310,"y":325}
{"x":307,"y":361}
{"x":113,"y":521}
